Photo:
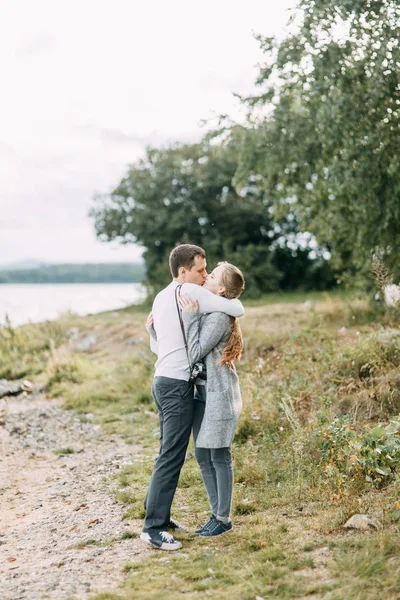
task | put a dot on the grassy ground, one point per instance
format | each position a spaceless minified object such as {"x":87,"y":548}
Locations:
{"x":316,"y":380}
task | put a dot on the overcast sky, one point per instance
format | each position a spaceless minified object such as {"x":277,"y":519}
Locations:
{"x":86,"y":85}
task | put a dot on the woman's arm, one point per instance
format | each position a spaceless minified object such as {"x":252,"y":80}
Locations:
{"x":150,"y":326}
{"x":203,"y":336}
{"x":209,"y":302}
{"x":152,"y":332}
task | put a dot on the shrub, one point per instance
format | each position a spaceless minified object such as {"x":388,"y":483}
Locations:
{"x":373,"y":456}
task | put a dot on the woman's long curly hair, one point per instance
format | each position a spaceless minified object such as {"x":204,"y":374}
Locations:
{"x":233,"y":281}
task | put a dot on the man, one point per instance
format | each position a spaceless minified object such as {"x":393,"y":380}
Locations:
{"x":172,"y":391}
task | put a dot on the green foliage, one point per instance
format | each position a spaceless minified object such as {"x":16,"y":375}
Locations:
{"x":129,"y":535}
{"x":184,"y":194}
{"x":336,"y":441}
{"x":328,"y":145}
{"x":64,"y":451}
{"x":373,"y":455}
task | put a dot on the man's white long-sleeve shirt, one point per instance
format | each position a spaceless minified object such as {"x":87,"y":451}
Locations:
{"x":172,"y":358}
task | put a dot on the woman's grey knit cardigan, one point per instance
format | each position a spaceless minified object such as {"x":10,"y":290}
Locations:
{"x":207,"y":335}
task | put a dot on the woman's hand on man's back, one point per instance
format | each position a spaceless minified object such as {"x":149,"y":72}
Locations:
{"x":187,"y":305}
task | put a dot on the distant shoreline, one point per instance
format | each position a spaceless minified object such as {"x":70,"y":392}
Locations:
{"x":102,"y":273}
{"x":100,"y":282}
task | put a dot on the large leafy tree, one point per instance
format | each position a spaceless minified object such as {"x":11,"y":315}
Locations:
{"x":184,"y":194}
{"x":323,"y":132}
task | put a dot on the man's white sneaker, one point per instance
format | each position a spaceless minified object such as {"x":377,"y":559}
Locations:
{"x":161,"y":539}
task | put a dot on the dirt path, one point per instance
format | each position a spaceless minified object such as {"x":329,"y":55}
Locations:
{"x":55,"y":511}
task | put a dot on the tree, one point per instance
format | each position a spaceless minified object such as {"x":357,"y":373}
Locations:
{"x":184,"y":194}
{"x":323,"y":132}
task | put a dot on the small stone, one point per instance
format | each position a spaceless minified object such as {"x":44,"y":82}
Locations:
{"x":73,"y":333}
{"x":308,"y":304}
{"x":86,"y":342}
{"x":361,"y":522}
{"x":392,"y":294}
{"x":51,"y":587}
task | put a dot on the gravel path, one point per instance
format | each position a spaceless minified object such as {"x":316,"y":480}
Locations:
{"x":50,"y":505}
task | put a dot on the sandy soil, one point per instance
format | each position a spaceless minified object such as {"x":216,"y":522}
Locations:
{"x":51,"y":504}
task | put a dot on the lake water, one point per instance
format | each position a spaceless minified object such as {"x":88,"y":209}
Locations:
{"x":25,"y":303}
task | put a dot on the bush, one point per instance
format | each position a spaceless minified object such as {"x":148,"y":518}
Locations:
{"x":373,"y":456}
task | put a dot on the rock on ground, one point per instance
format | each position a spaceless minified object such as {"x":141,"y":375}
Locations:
{"x":362,"y":522}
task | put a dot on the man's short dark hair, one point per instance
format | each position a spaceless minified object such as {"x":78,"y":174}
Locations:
{"x":183,"y":256}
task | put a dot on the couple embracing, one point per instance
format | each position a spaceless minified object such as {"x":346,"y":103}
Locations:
{"x":196,"y":335}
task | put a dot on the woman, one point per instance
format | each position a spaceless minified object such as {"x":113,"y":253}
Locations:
{"x":216,"y":338}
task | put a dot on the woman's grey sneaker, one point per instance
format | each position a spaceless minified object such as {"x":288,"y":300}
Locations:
{"x":161,"y":539}
{"x":217,"y":528}
{"x":206,"y":525}
{"x":175,"y":526}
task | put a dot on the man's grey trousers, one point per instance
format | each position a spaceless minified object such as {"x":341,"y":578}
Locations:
{"x":175,"y":402}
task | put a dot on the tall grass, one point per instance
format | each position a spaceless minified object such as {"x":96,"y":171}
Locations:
{"x":25,"y":350}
